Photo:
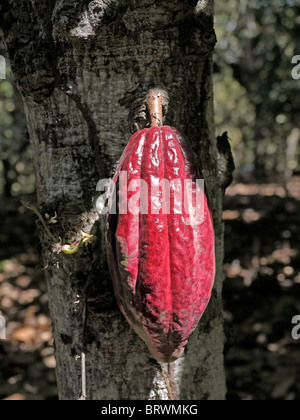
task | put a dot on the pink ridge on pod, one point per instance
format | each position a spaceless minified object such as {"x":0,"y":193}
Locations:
{"x":162,"y":265}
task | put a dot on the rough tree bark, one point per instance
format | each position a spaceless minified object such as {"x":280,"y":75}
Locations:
{"x":83,"y":68}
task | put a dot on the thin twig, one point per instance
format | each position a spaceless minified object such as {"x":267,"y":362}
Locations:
{"x":35,"y":211}
{"x":172,"y":380}
{"x":83,"y":351}
{"x":168,"y":385}
{"x":83,"y":377}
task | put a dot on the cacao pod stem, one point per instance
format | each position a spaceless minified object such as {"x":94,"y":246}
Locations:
{"x":155,"y":108}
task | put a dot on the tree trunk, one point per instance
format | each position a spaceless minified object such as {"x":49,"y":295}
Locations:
{"x":83,"y":68}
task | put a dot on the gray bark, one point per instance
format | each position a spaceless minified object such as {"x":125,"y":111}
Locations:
{"x":83,"y":68}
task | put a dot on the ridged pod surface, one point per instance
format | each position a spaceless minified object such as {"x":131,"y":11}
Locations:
{"x":161,"y":258}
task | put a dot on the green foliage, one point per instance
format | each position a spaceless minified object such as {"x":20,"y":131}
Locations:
{"x":16,"y":171}
{"x":253,"y":81}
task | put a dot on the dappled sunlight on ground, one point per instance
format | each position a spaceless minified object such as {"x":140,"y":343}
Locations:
{"x":292,"y":189}
{"x":262,"y":291}
{"x":27,"y":356}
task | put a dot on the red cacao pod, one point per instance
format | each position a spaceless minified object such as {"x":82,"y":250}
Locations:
{"x":162,"y":262}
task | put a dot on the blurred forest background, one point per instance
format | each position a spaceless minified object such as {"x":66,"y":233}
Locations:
{"x":258,"y":103}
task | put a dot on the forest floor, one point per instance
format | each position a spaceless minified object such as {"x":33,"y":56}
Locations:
{"x":261,"y":296}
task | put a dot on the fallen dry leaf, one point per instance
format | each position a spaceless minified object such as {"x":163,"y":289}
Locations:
{"x":231,"y":214}
{"x":27,"y":335}
{"x":50,"y":362}
{"x":15,"y":397}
